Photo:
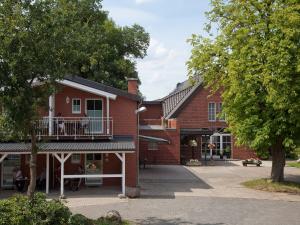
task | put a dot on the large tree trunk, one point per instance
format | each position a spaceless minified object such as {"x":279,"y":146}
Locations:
{"x":278,"y":162}
{"x":33,"y":160}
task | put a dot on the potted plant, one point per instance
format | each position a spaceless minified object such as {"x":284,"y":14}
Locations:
{"x":227,"y":152}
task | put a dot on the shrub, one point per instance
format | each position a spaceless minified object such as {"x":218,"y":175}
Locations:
{"x":19,"y":210}
{"x":79,"y":219}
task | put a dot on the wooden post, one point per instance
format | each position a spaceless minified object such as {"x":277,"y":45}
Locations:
{"x":62,"y":165}
{"x":123,"y":174}
{"x":47,"y":173}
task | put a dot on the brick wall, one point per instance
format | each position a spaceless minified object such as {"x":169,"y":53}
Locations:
{"x":195,"y":112}
{"x":166,"y":153}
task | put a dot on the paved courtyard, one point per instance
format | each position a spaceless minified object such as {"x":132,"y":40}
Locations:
{"x":209,"y":195}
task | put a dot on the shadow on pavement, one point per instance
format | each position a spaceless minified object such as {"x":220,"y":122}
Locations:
{"x":175,"y":221}
{"x":162,"y":182}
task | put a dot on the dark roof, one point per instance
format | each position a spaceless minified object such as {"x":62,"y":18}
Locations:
{"x":178,"y":98}
{"x":117,"y":144}
{"x":102,"y":87}
{"x":174,"y":102}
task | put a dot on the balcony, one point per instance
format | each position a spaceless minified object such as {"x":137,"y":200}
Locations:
{"x":74,"y":127}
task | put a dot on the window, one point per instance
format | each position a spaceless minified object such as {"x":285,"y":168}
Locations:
{"x":76,"y":106}
{"x":212,"y":111}
{"x":75,"y":158}
{"x":220,"y":116}
{"x":152,"y":146}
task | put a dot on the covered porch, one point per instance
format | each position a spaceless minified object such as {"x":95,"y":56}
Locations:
{"x":103,"y":163}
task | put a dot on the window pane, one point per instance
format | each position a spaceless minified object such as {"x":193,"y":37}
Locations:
{"x":98,"y":105}
{"x":211,"y":111}
{"x":76,"y":105}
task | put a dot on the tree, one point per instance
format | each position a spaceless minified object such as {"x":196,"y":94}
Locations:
{"x":44,"y":40}
{"x":255,"y":60}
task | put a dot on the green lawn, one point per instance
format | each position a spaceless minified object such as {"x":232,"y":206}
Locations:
{"x":268,"y":185}
{"x":294,"y":164}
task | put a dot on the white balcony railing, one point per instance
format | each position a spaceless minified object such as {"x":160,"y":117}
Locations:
{"x":75,"y":127}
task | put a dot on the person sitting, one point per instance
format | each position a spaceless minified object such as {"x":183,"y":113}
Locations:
{"x":41,"y":180}
{"x":74,"y":186}
{"x":19,"y":179}
{"x":61,"y":124}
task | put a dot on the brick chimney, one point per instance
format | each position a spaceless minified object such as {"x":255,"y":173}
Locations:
{"x":133,"y":86}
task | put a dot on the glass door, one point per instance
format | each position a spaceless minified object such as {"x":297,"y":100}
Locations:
{"x":93,"y":165}
{"x":8,"y":165}
{"x":95,"y":114}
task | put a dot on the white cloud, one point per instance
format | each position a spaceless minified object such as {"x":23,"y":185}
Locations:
{"x":161,"y":70}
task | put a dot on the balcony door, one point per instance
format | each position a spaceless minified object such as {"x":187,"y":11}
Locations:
{"x":94,"y":111}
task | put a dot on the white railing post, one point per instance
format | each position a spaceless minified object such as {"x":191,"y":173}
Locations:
{"x":107,"y":115}
{"x":51,"y":114}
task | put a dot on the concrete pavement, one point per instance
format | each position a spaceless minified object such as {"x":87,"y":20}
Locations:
{"x":209,"y":195}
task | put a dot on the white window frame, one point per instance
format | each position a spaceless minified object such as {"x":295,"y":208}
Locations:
{"x":152,"y":146}
{"x":76,"y":112}
{"x":215,"y":112}
{"x":75,"y":161}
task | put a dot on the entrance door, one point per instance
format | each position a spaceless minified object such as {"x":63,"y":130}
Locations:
{"x":93,"y":165}
{"x":8,"y":165}
{"x":94,"y":111}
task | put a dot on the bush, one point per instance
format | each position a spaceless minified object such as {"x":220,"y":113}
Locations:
{"x":19,"y":210}
{"x":79,"y":219}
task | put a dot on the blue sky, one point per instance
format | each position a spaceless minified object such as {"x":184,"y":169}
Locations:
{"x":170,"y":23}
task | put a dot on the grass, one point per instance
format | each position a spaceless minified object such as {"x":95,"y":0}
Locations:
{"x":294,"y":164}
{"x":268,"y":185}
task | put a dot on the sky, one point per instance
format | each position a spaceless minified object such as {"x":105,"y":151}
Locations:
{"x":170,"y":23}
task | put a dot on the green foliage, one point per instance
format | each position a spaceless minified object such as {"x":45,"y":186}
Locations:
{"x":79,"y":219}
{"x":255,"y":60}
{"x":46,"y":40}
{"x":263,"y":154}
{"x":19,"y":210}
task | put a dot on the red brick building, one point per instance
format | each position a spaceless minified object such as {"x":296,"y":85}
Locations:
{"x":88,"y":132}
{"x":180,"y":126}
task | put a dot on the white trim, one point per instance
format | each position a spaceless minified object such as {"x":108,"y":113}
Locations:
{"x":107,"y":115}
{"x":62,"y":171}
{"x":76,"y":112}
{"x":86,"y":88}
{"x":92,"y":176}
{"x":75,"y":152}
{"x":3,"y":157}
{"x":90,"y":99}
{"x":124,"y":174}
{"x":47,"y":173}
{"x":119,"y":156}
{"x":51,"y":113}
